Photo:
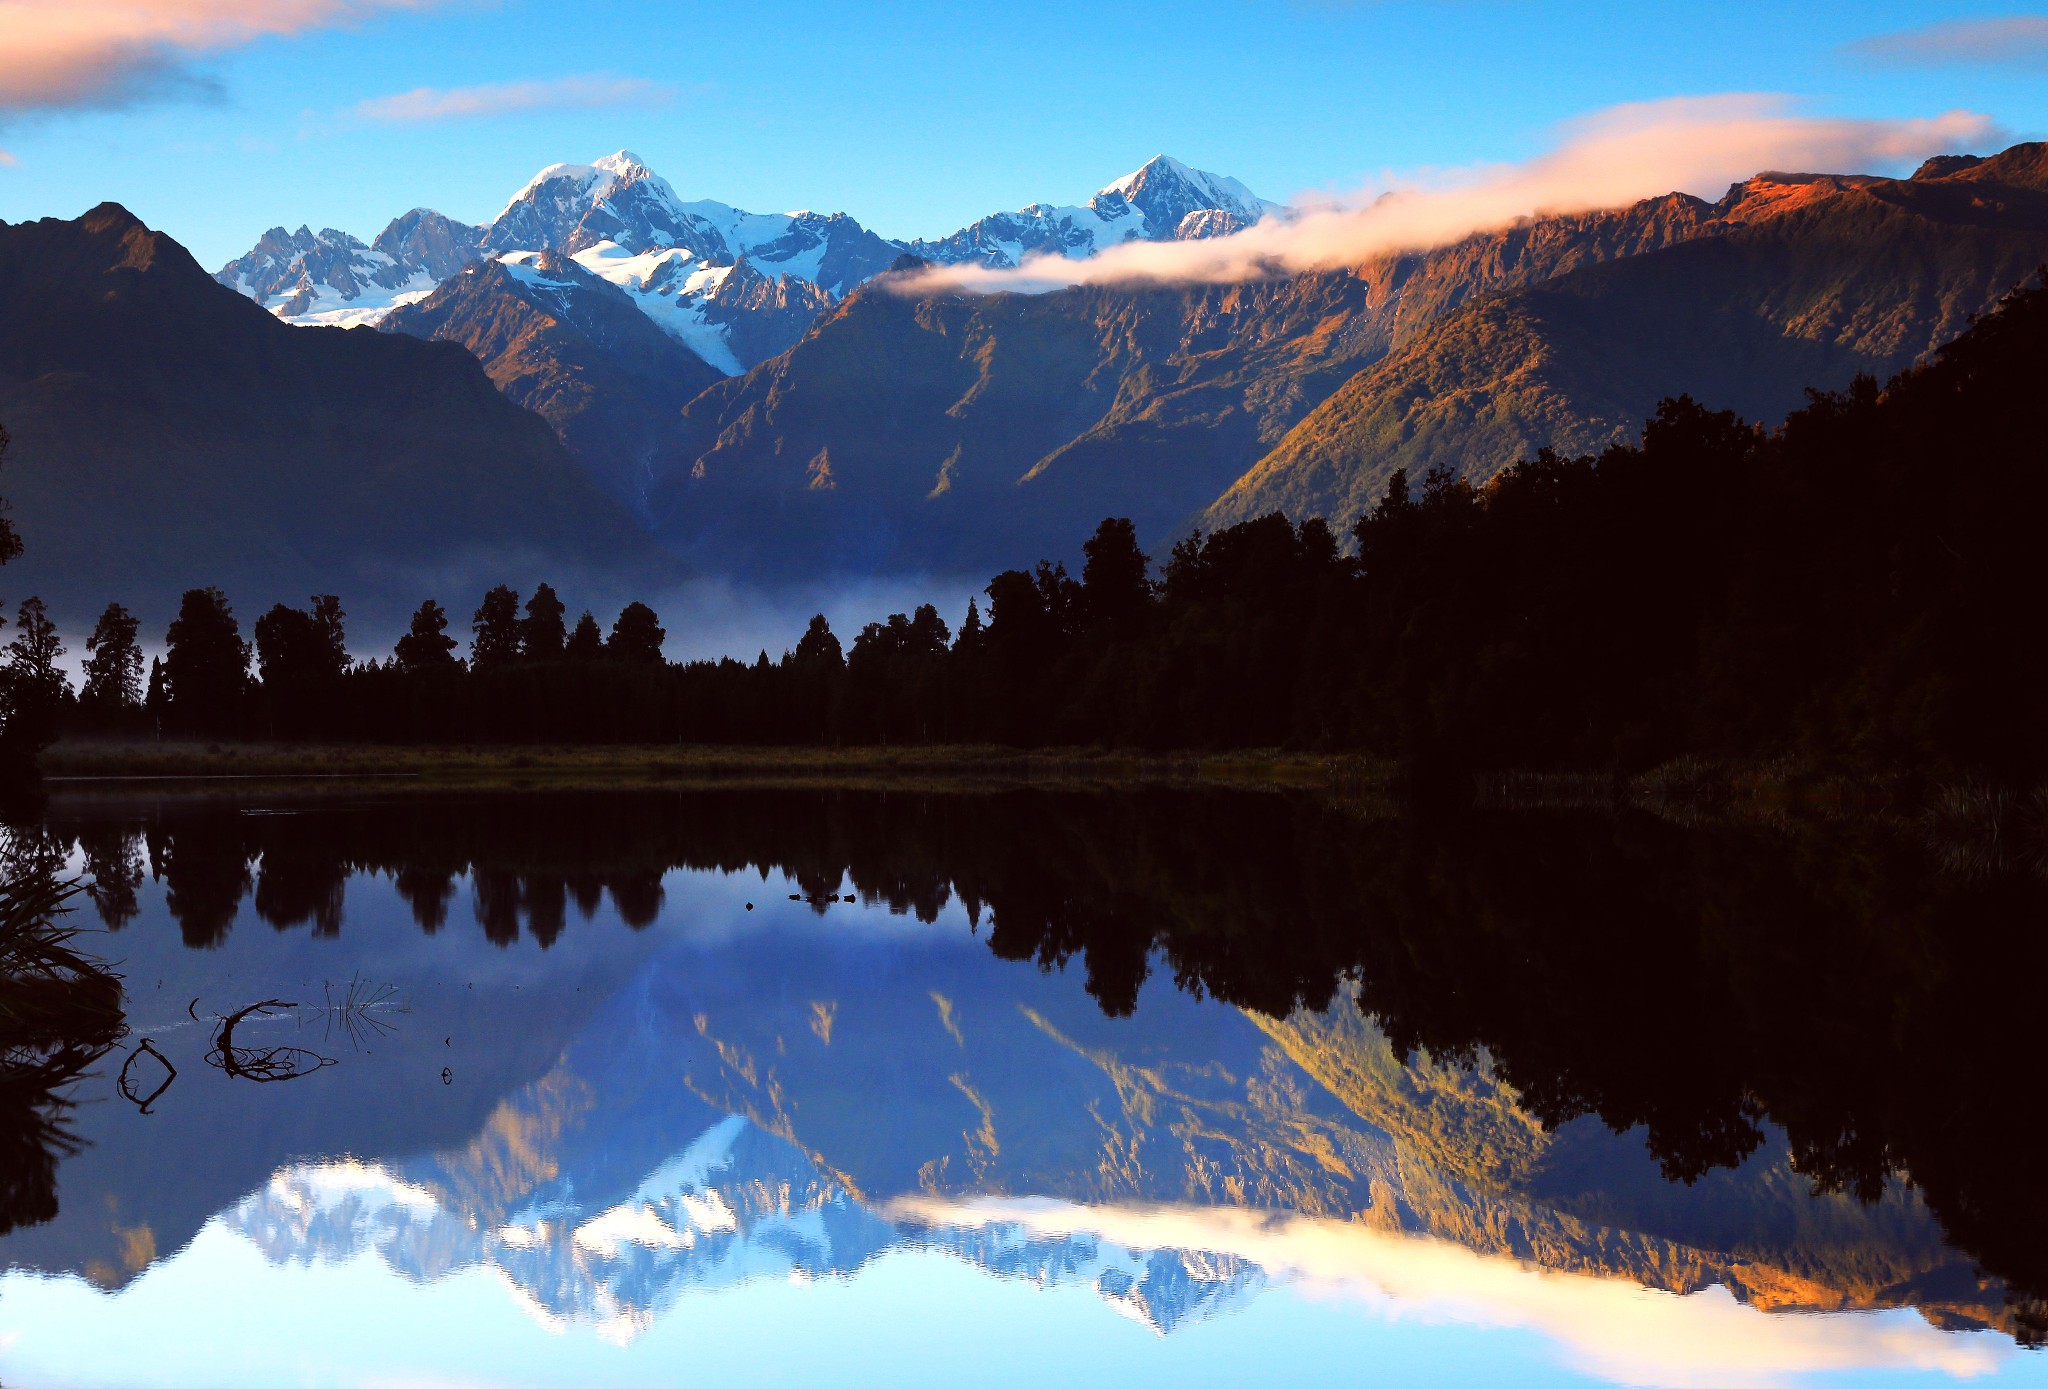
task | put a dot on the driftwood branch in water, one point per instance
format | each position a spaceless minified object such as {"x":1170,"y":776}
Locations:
{"x":262,"y":1064}
{"x":143,"y":1102}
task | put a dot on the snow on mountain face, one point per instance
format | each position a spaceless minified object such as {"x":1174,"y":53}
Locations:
{"x":736,"y":1205}
{"x":331,"y":279}
{"x":574,"y":208}
{"x":1164,"y":201}
{"x":735,"y":287}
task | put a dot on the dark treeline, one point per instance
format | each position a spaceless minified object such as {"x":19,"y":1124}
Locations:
{"x":1856,"y":585}
{"x":1699,"y":983}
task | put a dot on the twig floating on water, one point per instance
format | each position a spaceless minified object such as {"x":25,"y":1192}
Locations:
{"x":143,"y":1103}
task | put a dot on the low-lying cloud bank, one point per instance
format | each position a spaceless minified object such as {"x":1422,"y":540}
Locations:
{"x":1610,"y":159}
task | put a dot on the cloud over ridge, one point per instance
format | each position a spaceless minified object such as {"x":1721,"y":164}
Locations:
{"x":582,"y":92}
{"x":1612,"y":158}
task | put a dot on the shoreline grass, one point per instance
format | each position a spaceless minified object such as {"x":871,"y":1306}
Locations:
{"x":84,"y":761}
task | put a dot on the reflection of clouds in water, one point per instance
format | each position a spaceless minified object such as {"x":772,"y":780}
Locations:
{"x":1606,"y":1327}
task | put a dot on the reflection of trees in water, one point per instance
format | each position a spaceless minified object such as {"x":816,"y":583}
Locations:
{"x":1696,"y":983}
{"x":60,"y":1013}
{"x":35,"y":1133}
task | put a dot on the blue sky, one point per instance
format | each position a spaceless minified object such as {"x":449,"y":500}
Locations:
{"x":915,"y":117}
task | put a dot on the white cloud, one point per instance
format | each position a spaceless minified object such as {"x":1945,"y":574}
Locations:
{"x":1609,"y":159}
{"x":60,"y":53}
{"x":2019,"y":40}
{"x":584,"y":92}
{"x":1608,"y":1327}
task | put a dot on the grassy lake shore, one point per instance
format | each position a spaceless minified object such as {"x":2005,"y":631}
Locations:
{"x":137,"y":760}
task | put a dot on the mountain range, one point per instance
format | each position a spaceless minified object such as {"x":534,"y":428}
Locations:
{"x":729,"y":288}
{"x":762,"y":396}
{"x":851,"y":427}
{"x":626,"y":224}
{"x":937,"y":432}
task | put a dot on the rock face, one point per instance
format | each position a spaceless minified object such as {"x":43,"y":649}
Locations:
{"x":575,"y":350}
{"x":329,"y":278}
{"x":1806,"y":281}
{"x":963,"y":433}
{"x":169,"y":434}
{"x":968,"y":434}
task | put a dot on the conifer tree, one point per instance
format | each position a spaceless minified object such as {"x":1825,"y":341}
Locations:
{"x":586,"y":642}
{"x":637,"y":635}
{"x":542,"y":635}
{"x":113,"y":666}
{"x":36,"y":689}
{"x":497,"y":630}
{"x":328,"y":620}
{"x":426,"y":645}
{"x":818,"y":648}
{"x":206,"y":664}
{"x":1115,"y":588}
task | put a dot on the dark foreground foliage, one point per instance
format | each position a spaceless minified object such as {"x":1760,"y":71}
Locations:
{"x":60,"y":1012}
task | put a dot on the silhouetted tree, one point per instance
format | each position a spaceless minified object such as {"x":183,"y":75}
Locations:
{"x":1115,"y":588}
{"x":157,"y":700}
{"x":331,"y":623}
{"x":971,"y":632}
{"x":113,"y":666}
{"x":36,"y":691}
{"x":293,"y":648}
{"x":301,"y":656}
{"x":818,"y":648}
{"x":426,"y":645}
{"x":497,"y":632}
{"x":637,"y":635}
{"x":542,"y":634}
{"x":206,"y":665}
{"x":586,"y":640}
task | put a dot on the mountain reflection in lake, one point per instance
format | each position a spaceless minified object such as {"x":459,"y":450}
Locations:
{"x":864,"y":1087}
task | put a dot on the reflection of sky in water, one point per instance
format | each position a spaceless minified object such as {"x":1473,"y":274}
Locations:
{"x":669,"y":1276}
{"x":1349,"y":1303}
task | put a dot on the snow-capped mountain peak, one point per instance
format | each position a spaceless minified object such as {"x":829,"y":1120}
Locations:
{"x":736,"y":1206}
{"x":619,"y":220}
{"x":331,"y":278}
{"x":1165,"y":200}
{"x":1165,"y":192}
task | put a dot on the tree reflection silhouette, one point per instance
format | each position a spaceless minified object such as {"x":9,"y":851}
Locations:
{"x":1695,"y":983}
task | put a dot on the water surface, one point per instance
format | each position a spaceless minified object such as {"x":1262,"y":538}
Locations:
{"x":849,"y":1087}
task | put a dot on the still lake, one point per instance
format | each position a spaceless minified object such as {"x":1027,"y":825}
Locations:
{"x":1180,"y":1087}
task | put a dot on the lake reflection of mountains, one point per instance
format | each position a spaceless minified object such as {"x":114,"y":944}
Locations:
{"x":1589,"y":1008}
{"x":752,"y":1108}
